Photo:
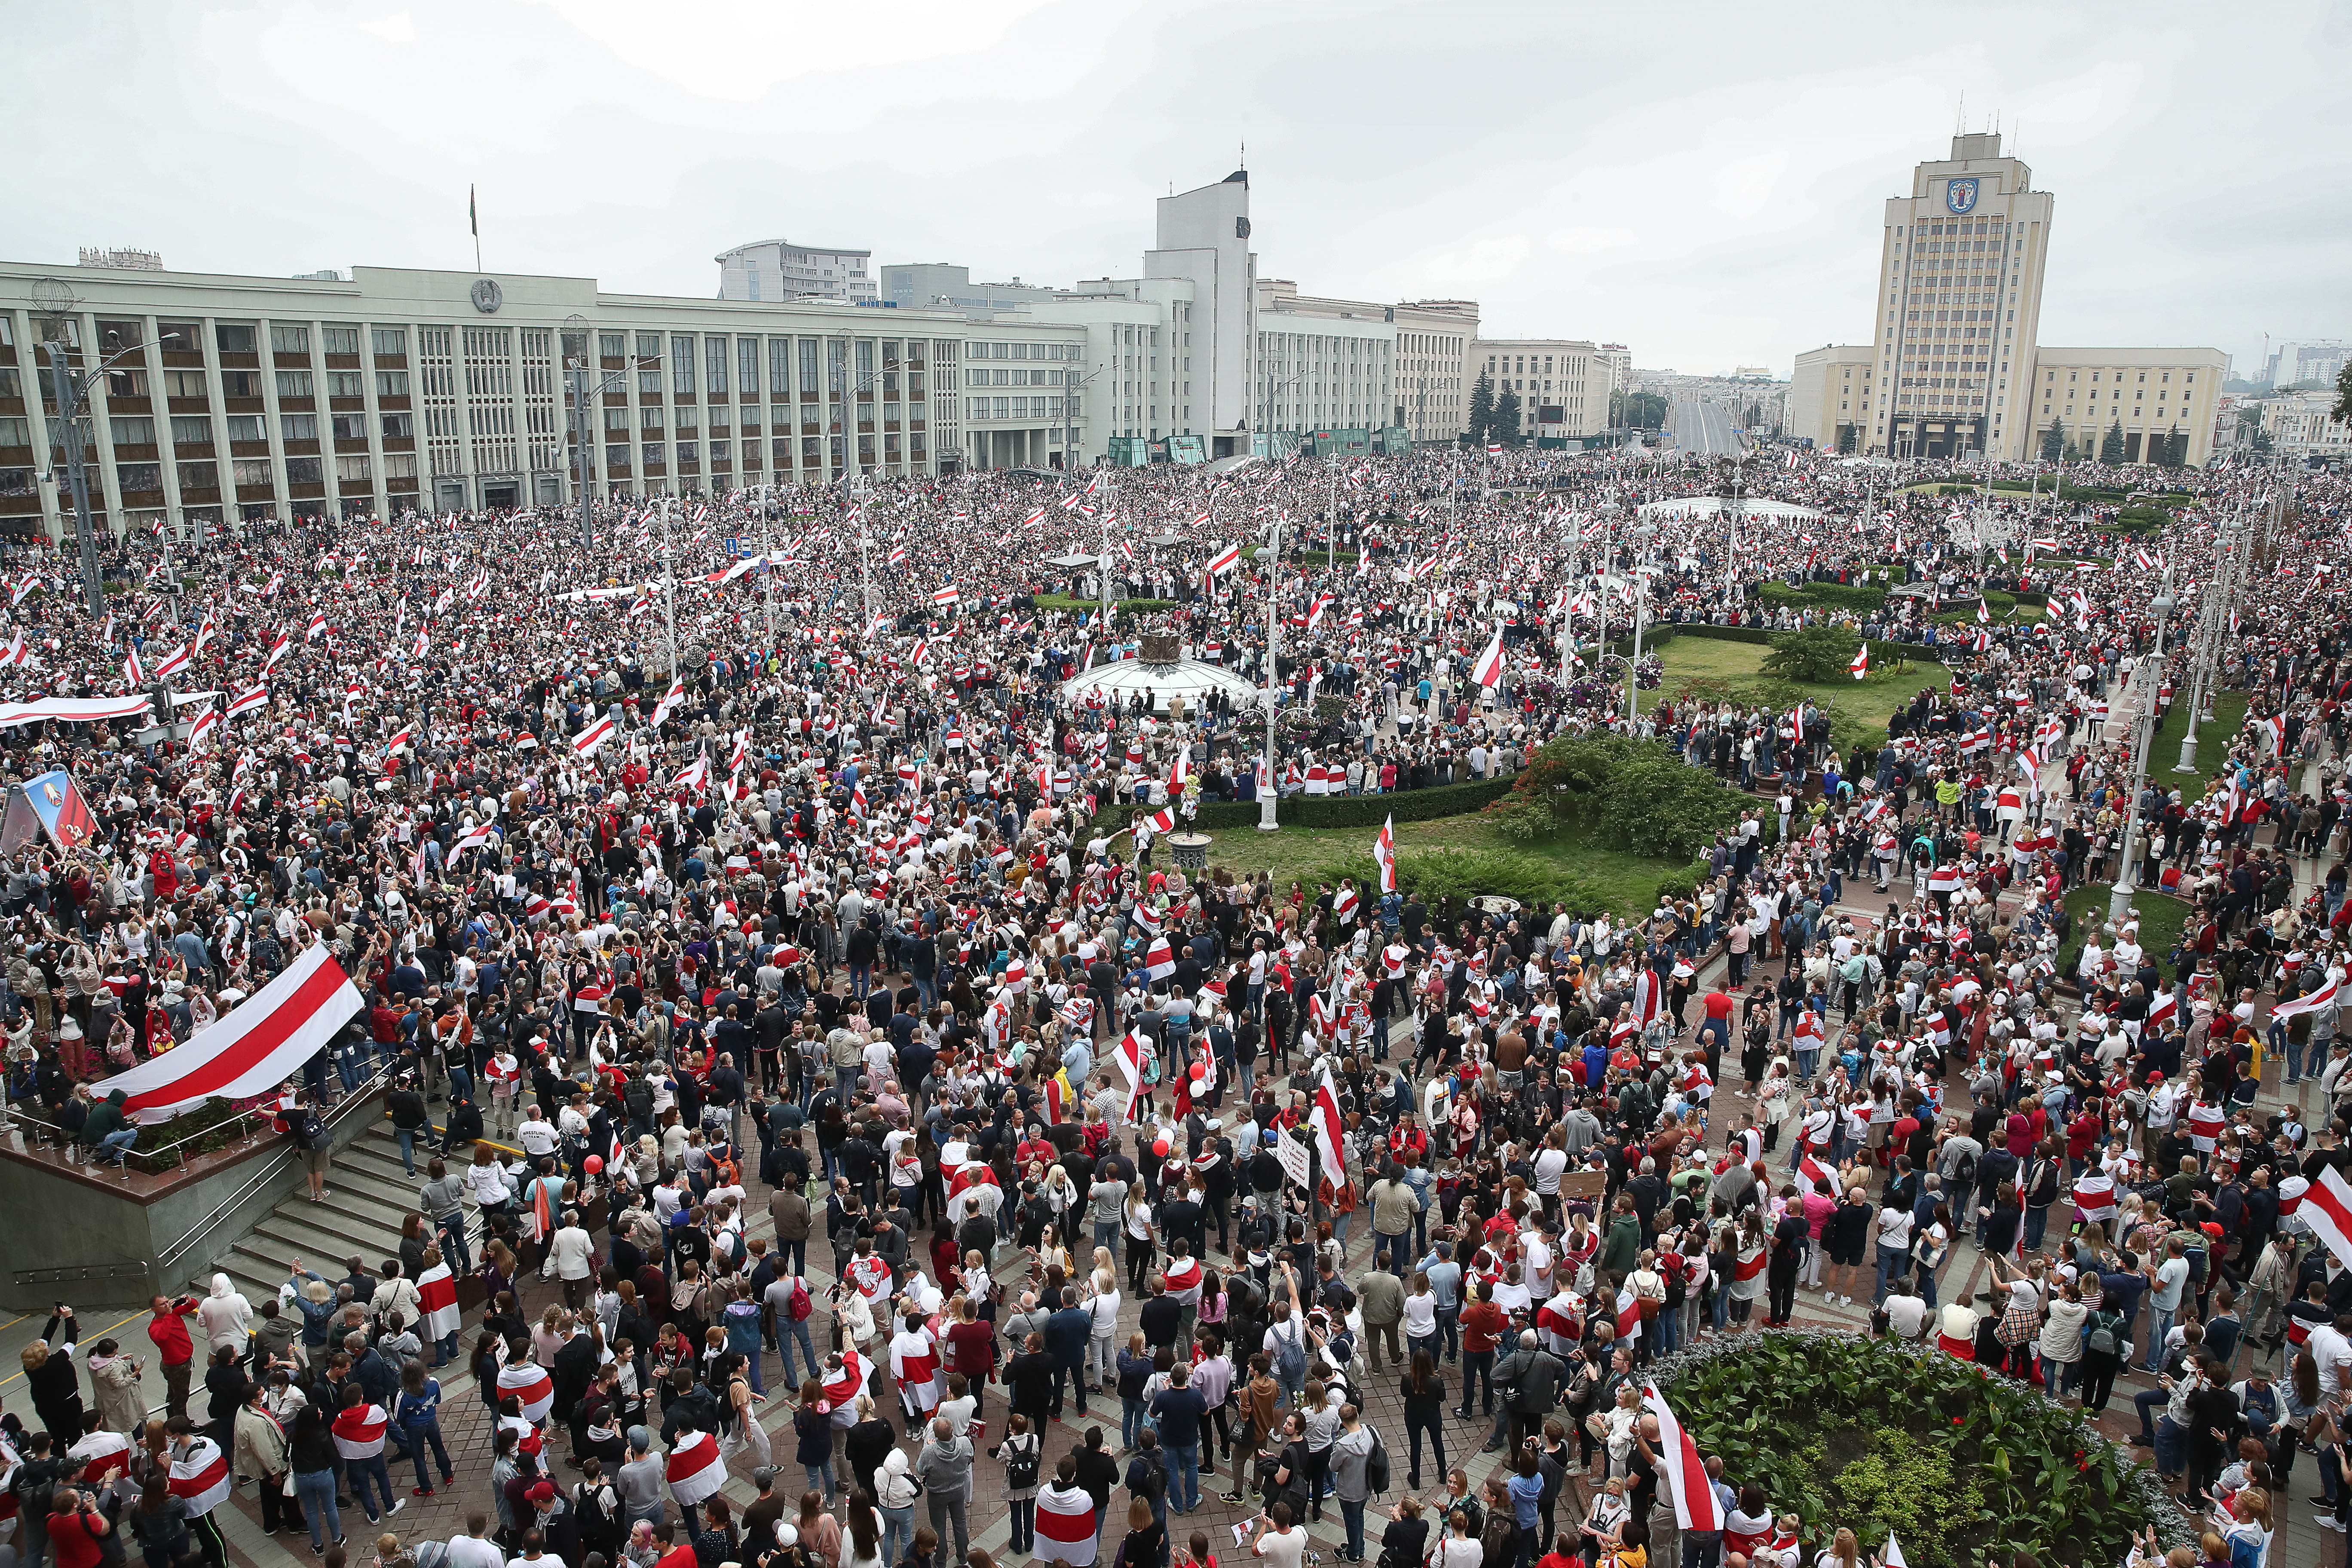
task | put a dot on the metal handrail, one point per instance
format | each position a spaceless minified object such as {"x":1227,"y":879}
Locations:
{"x":170,"y":1256}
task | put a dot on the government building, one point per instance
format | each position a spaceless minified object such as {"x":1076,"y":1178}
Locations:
{"x":1955,"y":366}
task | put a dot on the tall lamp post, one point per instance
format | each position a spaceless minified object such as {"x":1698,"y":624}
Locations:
{"x":1267,"y":792}
{"x":2143,"y":737}
{"x":576,"y":372}
{"x":54,"y":299}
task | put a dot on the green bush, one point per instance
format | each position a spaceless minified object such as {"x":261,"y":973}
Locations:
{"x":1812,"y":654}
{"x":1464,"y":873}
{"x":1635,"y":794}
{"x":1361,"y":810}
{"x":1874,"y":1435}
{"x":1833,"y":595}
{"x":1119,"y":607}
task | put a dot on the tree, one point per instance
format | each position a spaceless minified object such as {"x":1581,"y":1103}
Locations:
{"x":1505,"y":425}
{"x":2175,"y":450}
{"x":1645,"y":411}
{"x":1755,"y":416}
{"x":2054,"y":441}
{"x":2111,"y":444}
{"x":2342,"y":412}
{"x":1813,"y":654}
{"x":1482,"y":409}
{"x":1849,"y":438}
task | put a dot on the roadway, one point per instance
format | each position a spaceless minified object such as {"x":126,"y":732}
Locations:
{"x":1704,"y":429}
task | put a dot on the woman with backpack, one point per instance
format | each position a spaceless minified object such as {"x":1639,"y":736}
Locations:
{"x":2106,"y":1342}
{"x":1021,"y":1453}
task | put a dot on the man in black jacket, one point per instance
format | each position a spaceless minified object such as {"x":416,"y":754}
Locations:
{"x":1531,"y":1377}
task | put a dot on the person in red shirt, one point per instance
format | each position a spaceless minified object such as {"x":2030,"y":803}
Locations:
{"x":1482,"y":1324}
{"x":176,"y":1350}
{"x":76,"y":1528}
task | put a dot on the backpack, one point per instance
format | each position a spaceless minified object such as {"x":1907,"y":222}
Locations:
{"x":2100,"y":1337}
{"x":1290,"y":1354}
{"x":311,"y":1132}
{"x":799,"y":1305}
{"x":1376,"y":1464}
{"x":1021,"y":1465}
{"x":1964,"y":1174}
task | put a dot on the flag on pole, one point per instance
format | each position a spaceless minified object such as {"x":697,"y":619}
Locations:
{"x":2327,"y":1208}
{"x":473,"y":217}
{"x":1324,"y":1115}
{"x":1384,"y":854}
{"x":1860,"y":665}
{"x":1695,"y":1506}
{"x":1489,"y":670}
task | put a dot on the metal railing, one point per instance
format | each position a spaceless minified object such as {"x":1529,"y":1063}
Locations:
{"x":169,"y":1258}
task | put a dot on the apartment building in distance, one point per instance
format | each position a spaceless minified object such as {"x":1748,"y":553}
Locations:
{"x":777,"y":271}
{"x":1563,"y":384}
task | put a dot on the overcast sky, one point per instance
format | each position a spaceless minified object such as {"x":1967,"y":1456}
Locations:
{"x":1702,"y":183}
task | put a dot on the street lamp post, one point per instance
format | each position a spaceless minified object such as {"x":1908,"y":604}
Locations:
{"x":69,"y":389}
{"x":576,"y":373}
{"x":1266,"y":790}
{"x":2143,"y":737}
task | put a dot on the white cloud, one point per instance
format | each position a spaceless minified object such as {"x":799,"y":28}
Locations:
{"x":396,"y":29}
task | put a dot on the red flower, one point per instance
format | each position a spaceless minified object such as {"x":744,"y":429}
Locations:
{"x":2082,"y":1464}
{"x":1957,"y":1419}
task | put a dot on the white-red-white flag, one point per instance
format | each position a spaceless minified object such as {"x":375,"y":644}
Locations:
{"x":1695,"y":1505}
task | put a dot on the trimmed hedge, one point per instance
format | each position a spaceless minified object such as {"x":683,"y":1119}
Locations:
{"x":1358,"y":810}
{"x":1837,"y":596}
{"x":1666,"y":631}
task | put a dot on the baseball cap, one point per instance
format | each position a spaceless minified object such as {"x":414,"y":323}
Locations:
{"x":764,"y":1477}
{"x":540,"y":1491}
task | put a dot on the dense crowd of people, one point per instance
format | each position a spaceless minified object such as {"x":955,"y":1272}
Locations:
{"x":848,"y":929}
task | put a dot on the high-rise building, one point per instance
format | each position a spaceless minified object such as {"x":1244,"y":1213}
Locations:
{"x":1954,"y":366}
{"x":1959,"y":298}
{"x":1205,"y":236}
{"x":778,"y":272}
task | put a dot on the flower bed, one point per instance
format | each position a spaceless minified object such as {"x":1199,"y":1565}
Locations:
{"x":1874,"y":1436}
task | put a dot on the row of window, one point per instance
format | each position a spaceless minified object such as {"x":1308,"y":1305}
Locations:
{"x":196,"y":430}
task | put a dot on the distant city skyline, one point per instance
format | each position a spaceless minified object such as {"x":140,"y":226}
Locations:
{"x":1712,"y":199}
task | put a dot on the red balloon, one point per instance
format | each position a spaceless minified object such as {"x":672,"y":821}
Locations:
{"x":1199,"y":1072}
{"x":1160,"y":1147}
{"x":593,"y":1164}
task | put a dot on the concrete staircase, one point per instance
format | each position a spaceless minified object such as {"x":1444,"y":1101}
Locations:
{"x":368,"y":1195}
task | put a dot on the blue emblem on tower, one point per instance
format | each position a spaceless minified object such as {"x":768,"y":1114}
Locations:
{"x":1960,"y":197}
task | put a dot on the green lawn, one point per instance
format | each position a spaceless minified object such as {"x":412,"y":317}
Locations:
{"x":1626,"y":882}
{"x":2161,"y":918}
{"x":2212,"y":743}
{"x":1870,"y":701}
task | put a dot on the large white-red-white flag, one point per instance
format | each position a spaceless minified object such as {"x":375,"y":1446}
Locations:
{"x":595,"y":736}
{"x":694,"y":1470}
{"x":1489,"y":671}
{"x":1066,"y":1525}
{"x":1695,"y":1505}
{"x":436,"y":1294}
{"x":2322,"y":998}
{"x":200,"y":1476}
{"x":1323,"y":1115}
{"x":250,"y":1050}
{"x":2327,"y":1208}
{"x":1384,"y":854}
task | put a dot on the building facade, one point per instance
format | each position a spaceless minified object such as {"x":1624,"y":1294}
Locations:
{"x":212,"y":398}
{"x":943,"y":286}
{"x":1829,"y":397}
{"x":2152,"y":394}
{"x":1563,"y":384}
{"x":1434,"y":345}
{"x":2300,"y":426}
{"x":779,"y":272}
{"x":1960,"y":300}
